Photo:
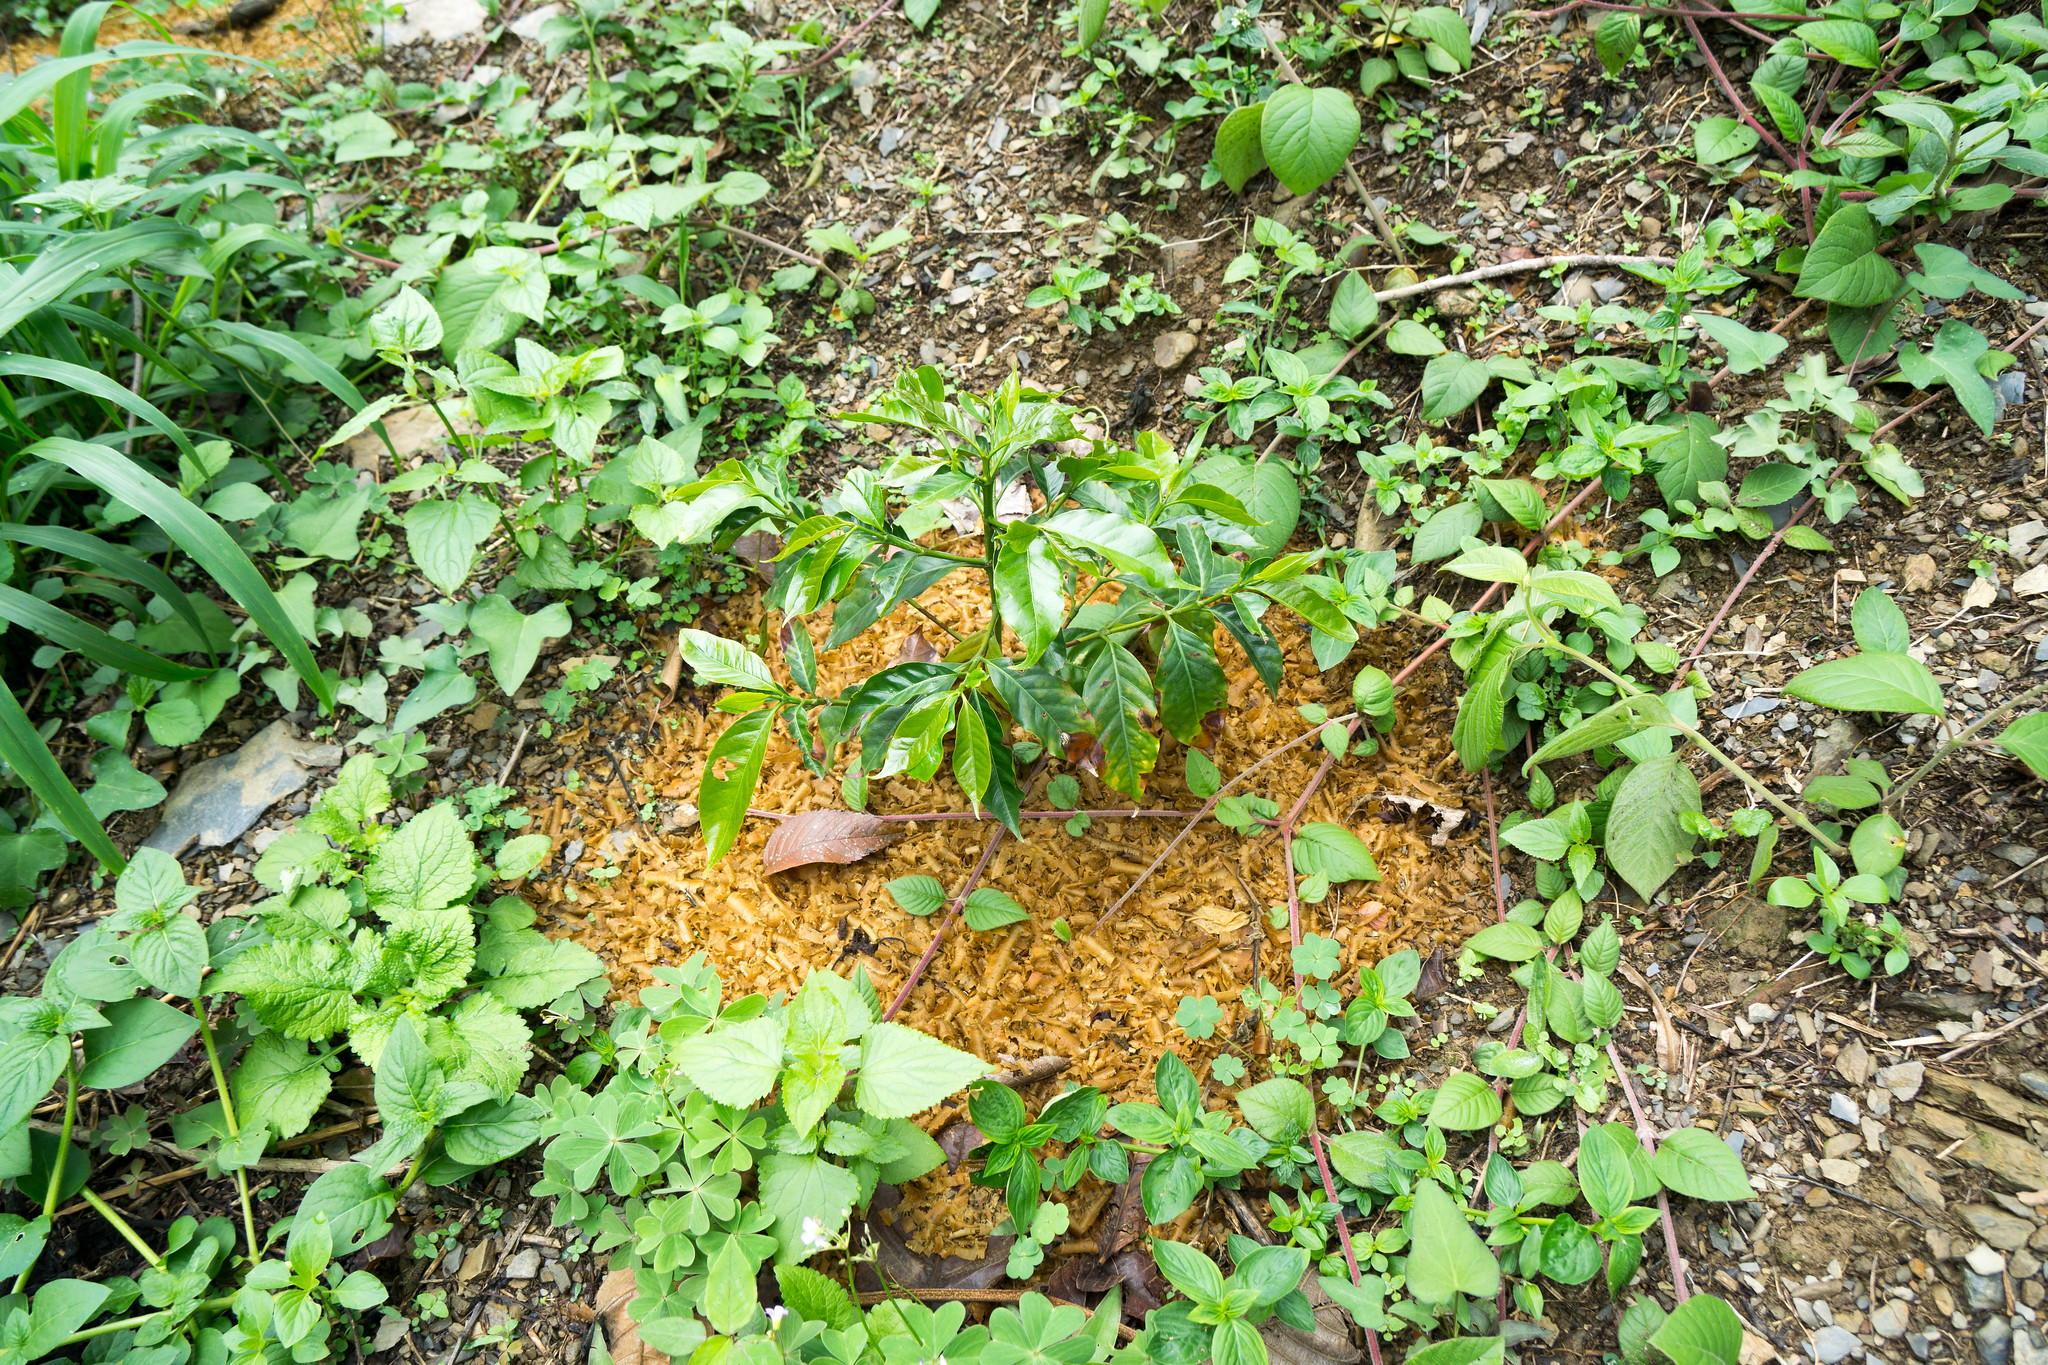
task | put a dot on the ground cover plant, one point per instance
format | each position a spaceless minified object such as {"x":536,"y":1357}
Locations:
{"x":602,"y":390}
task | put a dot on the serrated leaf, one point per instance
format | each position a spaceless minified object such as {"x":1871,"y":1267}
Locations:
{"x":1842,"y":265}
{"x":1644,"y":836}
{"x":1871,"y":681}
{"x":903,"y":1071}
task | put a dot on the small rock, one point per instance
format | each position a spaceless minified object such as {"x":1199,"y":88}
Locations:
{"x":1994,"y":1342}
{"x":1843,"y":1109}
{"x":1983,"y":1291}
{"x":1854,"y":1063}
{"x":523,"y":1266}
{"x":1997,"y":1227}
{"x":1171,"y":349}
{"x":1915,"y":1177}
{"x":1491,"y":160}
{"x":1609,"y":289}
{"x":1519,"y":143}
{"x":1889,"y":1319}
{"x":2028,"y":1347}
{"x":2036,"y":1083}
{"x":1838,"y":1172}
{"x":1831,"y":1344}
{"x":828,"y":354}
{"x":558,"y":1275}
{"x":1761,"y":1013}
{"x":1577,"y":290}
{"x":1920,"y":573}
{"x":1984,"y":1260}
{"x":1905,"y":1079}
{"x":892,"y":137}
{"x":998,"y":134}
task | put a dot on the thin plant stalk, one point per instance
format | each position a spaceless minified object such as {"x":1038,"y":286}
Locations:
{"x":1961,"y":737}
{"x":227,"y":1111}
{"x":56,"y":1186}
{"x":128,"y":1234}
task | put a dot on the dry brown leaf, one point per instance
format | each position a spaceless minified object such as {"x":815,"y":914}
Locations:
{"x":917,"y":649}
{"x":1448,"y":818}
{"x":1433,"y":982}
{"x":1222,"y":922}
{"x":1670,"y":1051}
{"x":758,"y":550}
{"x":621,"y":1333}
{"x":672,"y":672}
{"x":827,"y":836}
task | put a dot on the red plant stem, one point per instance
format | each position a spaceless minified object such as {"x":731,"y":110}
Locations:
{"x":829,"y":53}
{"x":1707,"y":635}
{"x":1886,"y":79}
{"x":1315,"y":1133}
{"x":1728,"y":88}
{"x":1663,"y":11}
{"x":1647,"y":1135}
{"x":986,"y":815}
{"x":1500,"y":894}
{"x":931,"y":949}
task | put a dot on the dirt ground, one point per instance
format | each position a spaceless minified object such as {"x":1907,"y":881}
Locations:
{"x":1744,"y":1033}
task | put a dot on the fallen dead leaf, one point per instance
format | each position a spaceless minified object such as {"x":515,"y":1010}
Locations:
{"x":1981,"y":593}
{"x":622,"y":1334}
{"x":826,"y":836}
{"x":1670,"y":1051}
{"x":917,"y":649}
{"x":672,"y":672}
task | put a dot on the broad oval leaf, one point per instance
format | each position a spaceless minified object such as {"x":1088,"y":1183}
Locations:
{"x":1464,"y":1103}
{"x":1695,"y":1162}
{"x":1870,"y":682}
{"x":1307,"y":133}
{"x":1644,"y":836}
{"x":1238,"y":154}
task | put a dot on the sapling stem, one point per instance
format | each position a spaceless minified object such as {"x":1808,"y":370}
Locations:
{"x":1961,"y":737}
{"x":56,"y":1186}
{"x":227,"y":1110}
{"x":124,"y":1324}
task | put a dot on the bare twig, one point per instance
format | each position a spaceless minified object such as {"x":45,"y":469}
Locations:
{"x":931,"y":950}
{"x":505,"y":773}
{"x":1708,"y":634}
{"x":758,"y":240}
{"x":1521,"y":267}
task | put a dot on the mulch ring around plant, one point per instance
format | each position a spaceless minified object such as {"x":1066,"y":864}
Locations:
{"x":1018,"y":993}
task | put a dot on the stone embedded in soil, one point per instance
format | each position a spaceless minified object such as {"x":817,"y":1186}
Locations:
{"x":1984,"y":1261}
{"x":2029,"y":1347}
{"x":1831,"y":1344}
{"x":1843,"y":1109}
{"x":523,"y":1266}
{"x":2014,"y":1161}
{"x":1840,"y":1172}
{"x":1920,"y":573}
{"x":1903,"y":1080}
{"x":216,"y":801}
{"x":1983,"y":1291}
{"x":1854,"y":1063}
{"x":1994,"y":1342}
{"x":1997,"y":1227}
{"x":1171,"y":349}
{"x":1889,"y":1318}
{"x":1915,"y":1176}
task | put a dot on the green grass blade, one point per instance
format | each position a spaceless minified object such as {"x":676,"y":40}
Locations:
{"x":295,"y":352}
{"x":38,"y":617}
{"x":38,"y":80}
{"x":199,"y":536}
{"x":113,"y":331}
{"x":111,"y":559}
{"x":86,"y":255}
{"x":71,"y":117}
{"x":97,"y":385}
{"x":33,"y":762}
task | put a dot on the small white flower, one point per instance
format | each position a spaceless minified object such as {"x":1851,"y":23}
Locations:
{"x":776,"y":1315}
{"x":813,"y":1235}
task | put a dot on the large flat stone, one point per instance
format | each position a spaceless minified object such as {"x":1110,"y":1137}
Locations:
{"x":1915,"y":1176}
{"x":1997,"y":1227}
{"x":2014,"y":1162}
